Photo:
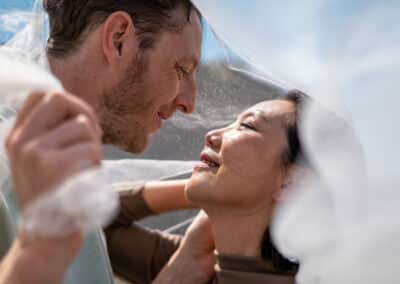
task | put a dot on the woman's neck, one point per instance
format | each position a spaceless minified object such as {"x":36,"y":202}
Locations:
{"x":239,"y":234}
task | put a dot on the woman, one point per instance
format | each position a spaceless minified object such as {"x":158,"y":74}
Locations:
{"x":243,"y":170}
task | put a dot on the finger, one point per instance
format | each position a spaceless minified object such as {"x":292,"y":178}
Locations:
{"x":79,"y":157}
{"x":52,"y":111}
{"x":29,"y":104}
{"x":88,"y":110}
{"x":71,"y":132}
{"x":201,"y":217}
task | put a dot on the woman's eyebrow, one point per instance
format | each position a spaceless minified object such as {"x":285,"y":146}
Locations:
{"x":257,"y":114}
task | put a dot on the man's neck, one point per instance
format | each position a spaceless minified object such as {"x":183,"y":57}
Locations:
{"x":239,"y":234}
{"x":79,"y":73}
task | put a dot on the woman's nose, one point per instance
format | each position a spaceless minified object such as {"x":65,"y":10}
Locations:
{"x":214,"y":139}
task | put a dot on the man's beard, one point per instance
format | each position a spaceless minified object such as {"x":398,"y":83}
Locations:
{"x":122,"y":110}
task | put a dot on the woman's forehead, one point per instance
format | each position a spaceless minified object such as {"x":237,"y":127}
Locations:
{"x":271,"y":108}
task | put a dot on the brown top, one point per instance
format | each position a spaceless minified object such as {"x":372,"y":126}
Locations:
{"x":239,"y":269}
{"x":138,"y":254}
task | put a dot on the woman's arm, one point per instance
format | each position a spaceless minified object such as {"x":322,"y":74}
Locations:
{"x":137,"y":253}
{"x":139,"y":199}
{"x":166,"y":196}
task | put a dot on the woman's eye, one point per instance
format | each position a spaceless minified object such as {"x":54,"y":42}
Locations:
{"x":247,"y":126}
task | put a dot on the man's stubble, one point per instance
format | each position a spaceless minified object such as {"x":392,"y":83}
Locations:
{"x":123,"y":110}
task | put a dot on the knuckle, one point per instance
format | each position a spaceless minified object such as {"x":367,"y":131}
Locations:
{"x":13,"y":144}
{"x":35,"y":96}
{"x":55,"y":98}
{"x":30,"y":152}
{"x":95,"y":153}
{"x":86,"y":127}
{"x":32,"y":155}
{"x":10,"y":145}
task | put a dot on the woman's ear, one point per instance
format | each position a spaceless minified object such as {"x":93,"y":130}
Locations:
{"x":295,"y":175}
{"x":277,"y":196}
{"x":287,"y":181}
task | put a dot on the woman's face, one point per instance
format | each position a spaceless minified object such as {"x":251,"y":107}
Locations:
{"x":241,"y":164}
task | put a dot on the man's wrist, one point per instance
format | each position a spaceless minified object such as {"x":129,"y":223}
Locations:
{"x":26,"y":264}
{"x":28,"y":260}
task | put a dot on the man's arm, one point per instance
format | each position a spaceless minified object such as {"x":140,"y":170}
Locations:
{"x":30,"y":263}
{"x":54,"y":137}
{"x":137,"y":253}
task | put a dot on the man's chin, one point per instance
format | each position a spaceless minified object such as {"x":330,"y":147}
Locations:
{"x":134,"y":146}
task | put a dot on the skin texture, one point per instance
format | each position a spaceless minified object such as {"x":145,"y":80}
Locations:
{"x":242,"y":191}
{"x":239,"y":196}
{"x":166,"y":196}
{"x":124,"y":90}
{"x":51,"y":131}
{"x":195,"y":255}
{"x":135,"y":90}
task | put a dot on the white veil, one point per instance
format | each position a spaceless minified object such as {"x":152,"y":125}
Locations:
{"x":344,"y":54}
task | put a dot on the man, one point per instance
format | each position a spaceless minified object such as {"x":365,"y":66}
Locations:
{"x":133,"y":62}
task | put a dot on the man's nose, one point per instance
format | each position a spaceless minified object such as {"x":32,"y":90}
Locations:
{"x":214,"y":139}
{"x":186,"y":99}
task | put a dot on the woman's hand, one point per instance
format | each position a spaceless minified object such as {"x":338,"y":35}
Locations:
{"x":194,"y":261}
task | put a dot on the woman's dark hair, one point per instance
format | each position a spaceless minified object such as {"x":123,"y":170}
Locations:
{"x":294,"y":154}
{"x":270,"y":253}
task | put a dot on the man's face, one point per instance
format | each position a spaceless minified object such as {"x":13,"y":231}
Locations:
{"x":159,"y":82}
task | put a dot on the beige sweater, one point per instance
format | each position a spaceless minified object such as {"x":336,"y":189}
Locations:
{"x":138,"y":254}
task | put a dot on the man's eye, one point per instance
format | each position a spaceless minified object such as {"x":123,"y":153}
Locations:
{"x":247,"y":126}
{"x":181,"y":72}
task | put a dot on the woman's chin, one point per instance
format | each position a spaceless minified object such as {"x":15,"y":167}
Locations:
{"x":199,"y":187}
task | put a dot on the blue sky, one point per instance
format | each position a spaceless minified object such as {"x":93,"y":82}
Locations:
{"x":303,"y":41}
{"x":15,"y":4}
{"x":211,"y":48}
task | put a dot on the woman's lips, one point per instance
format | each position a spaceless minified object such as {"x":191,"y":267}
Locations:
{"x":207,"y":162}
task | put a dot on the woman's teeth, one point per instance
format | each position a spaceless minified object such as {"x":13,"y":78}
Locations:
{"x":210,"y":163}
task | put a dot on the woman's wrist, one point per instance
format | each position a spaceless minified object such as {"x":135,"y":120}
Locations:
{"x":165,"y":196}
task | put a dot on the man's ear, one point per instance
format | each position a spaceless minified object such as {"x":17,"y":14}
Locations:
{"x":119,"y":38}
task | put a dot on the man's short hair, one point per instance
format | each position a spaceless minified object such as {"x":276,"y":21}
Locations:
{"x":72,"y":20}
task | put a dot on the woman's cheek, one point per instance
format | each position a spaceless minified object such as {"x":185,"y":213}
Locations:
{"x":243,"y":155}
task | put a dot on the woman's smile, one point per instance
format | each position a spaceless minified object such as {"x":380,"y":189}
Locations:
{"x":208,"y":161}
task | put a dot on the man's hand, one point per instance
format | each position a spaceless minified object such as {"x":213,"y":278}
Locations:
{"x":194,"y":260}
{"x":54,"y":136}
